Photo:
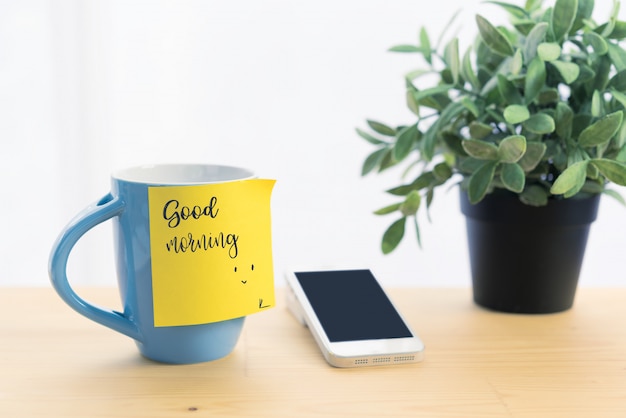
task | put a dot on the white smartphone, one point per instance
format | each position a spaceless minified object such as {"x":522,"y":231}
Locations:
{"x":352,"y":319}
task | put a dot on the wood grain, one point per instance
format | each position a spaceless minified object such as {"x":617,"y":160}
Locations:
{"x":55,"y":363}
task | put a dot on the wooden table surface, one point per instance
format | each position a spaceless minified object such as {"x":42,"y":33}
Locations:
{"x":55,"y":363}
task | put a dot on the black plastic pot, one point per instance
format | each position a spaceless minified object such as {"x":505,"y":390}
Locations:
{"x":527,"y":259}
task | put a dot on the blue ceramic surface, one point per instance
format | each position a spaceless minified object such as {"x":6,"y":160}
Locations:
{"x":127,"y":206}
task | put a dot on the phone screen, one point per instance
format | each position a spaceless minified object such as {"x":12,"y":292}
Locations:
{"x":352,"y":306}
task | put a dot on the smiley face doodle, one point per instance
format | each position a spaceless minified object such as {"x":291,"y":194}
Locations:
{"x":245,"y":280}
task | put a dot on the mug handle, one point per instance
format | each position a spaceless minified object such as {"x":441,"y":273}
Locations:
{"x":106,"y":208}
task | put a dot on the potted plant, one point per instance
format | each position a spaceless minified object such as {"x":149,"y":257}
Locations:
{"x":529,"y":121}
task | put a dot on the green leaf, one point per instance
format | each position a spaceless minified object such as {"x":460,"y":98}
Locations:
{"x":535,"y":79}
{"x":495,"y":115}
{"x":612,"y":19}
{"x":436,"y":101}
{"x":481,"y":150}
{"x":412,"y":75}
{"x":512,"y":177}
{"x":514,"y":114}
{"x":574,"y":155}
{"x":411,"y":203}
{"x":508,"y":91}
{"x":568,"y":70}
{"x":620,"y":97}
{"x":372,"y":161}
{"x":517,"y":63}
{"x":612,"y":170}
{"x":430,"y":138}
{"x":452,"y":141}
{"x":393,"y":235}
{"x":451,"y":57}
{"x":369,"y":138}
{"x":381,"y":128}
{"x":468,"y":72}
{"x":422,"y":94}
{"x":534,"y":38}
{"x":621,"y":155}
{"x":597,"y":42}
{"x":601,"y":131}
{"x":442,"y":172}
{"x":586,"y":73}
{"x":425,"y":44}
{"x":617,"y":56}
{"x":534,"y":196}
{"x":512,"y":148}
{"x":469,"y":165}
{"x":571,"y":180}
{"x":533,"y":155}
{"x":480,"y":130}
{"x":619,"y":141}
{"x":406,"y":140}
{"x":597,"y":107}
{"x":592,"y":173}
{"x":405,"y":48}
{"x":584,"y":12}
{"x":540,"y":123}
{"x":549,"y":51}
{"x":602,"y":69}
{"x":417,"y":232}
{"x":493,"y":38}
{"x":470,"y":105}
{"x":563,"y":16}
{"x":615,"y":196}
{"x":429,"y":141}
{"x":548,"y":96}
{"x":532,"y":5}
{"x":618,"y":81}
{"x":487,"y":91}
{"x":618,"y":32}
{"x":424,"y":180}
{"x":564,"y":120}
{"x":524,"y":26}
{"x":388,"y":209}
{"x":513,"y":10}
{"x":411,"y":102}
{"x":480,"y":181}
{"x":387,"y":160}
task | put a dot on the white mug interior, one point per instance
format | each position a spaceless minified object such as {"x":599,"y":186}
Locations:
{"x":182,"y":174}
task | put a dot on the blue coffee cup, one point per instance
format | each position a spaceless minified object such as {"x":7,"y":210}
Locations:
{"x":127,"y":206}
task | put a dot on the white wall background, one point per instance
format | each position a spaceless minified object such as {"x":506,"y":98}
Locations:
{"x":276,"y":85}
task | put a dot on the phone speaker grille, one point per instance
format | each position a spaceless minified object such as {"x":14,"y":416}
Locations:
{"x":384,"y":360}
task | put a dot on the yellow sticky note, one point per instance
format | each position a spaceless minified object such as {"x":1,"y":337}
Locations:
{"x":211,"y":251}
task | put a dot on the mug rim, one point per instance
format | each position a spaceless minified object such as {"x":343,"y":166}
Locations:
{"x":182,"y":174}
